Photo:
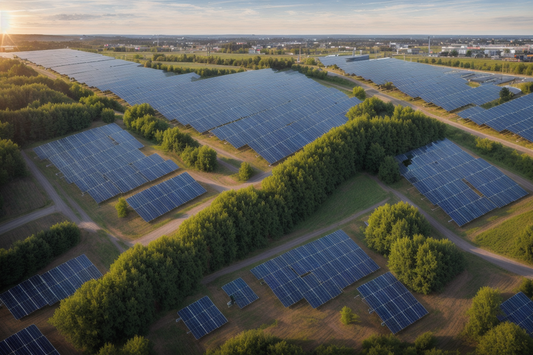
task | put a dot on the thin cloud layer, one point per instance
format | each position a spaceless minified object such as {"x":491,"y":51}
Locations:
{"x":274,"y":17}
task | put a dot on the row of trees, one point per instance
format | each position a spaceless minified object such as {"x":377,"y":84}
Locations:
{"x":499,"y":66}
{"x":401,"y":232}
{"x":11,"y":162}
{"x":35,"y":95}
{"x":493,"y":336}
{"x":236,"y":223}
{"x":310,"y":72}
{"x":203,"y":72}
{"x":256,"y":62}
{"x":258,"y":342}
{"x":26,"y":257}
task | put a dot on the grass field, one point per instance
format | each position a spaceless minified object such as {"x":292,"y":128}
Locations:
{"x":22,"y":196}
{"x":101,"y":251}
{"x":310,"y":327}
{"x":8,"y":238}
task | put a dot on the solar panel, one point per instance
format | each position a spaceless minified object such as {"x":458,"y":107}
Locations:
{"x":519,"y":310}
{"x":241,"y":292}
{"x":28,"y":341}
{"x":49,"y":288}
{"x":270,"y":104}
{"x":393,"y":303}
{"x":202,"y":317}
{"x":166,"y":196}
{"x":464,"y":187}
{"x":104,"y":161}
{"x":316,"y":271}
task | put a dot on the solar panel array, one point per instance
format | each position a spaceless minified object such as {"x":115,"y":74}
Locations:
{"x":444,"y":87}
{"x":515,"y":116}
{"x":104,"y":161}
{"x":49,"y":288}
{"x":519,"y":310}
{"x":202,"y":317}
{"x":28,"y":341}
{"x":165,"y":196}
{"x":392,"y":301}
{"x":316,"y":271}
{"x":262,"y":99}
{"x":443,"y":173}
{"x":241,"y":292}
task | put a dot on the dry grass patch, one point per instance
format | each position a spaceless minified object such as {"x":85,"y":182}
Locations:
{"x":22,"y":196}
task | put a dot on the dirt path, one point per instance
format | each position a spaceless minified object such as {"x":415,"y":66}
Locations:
{"x":287,"y":246}
{"x":27,"y":218}
{"x":370,"y":91}
{"x":498,"y":260}
{"x":61,"y":206}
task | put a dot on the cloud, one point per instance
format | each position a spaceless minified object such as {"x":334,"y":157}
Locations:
{"x":86,"y":17}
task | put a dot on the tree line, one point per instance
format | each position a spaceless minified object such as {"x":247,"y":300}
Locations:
{"x":203,"y":72}
{"x":236,"y":223}
{"x":11,"y":162}
{"x":309,"y":71}
{"x":258,"y":342}
{"x":26,"y":257}
{"x":498,"y":66}
{"x":256,"y":62}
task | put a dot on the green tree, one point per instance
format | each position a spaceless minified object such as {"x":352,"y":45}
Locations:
{"x":389,"y":223}
{"x":122,"y":207}
{"x":108,"y":115}
{"x":256,"y":342}
{"x":483,"y":314}
{"x":348,"y":317}
{"x":426,"y":341}
{"x":524,"y":244}
{"x":190,"y":156}
{"x":207,"y":159}
{"x":374,"y":158}
{"x":389,"y":172}
{"x":137,"y":111}
{"x":526,"y":286}
{"x":505,"y":95}
{"x":137,"y":345}
{"x":505,"y":339}
{"x":245,"y":171}
{"x":359,"y":92}
{"x":21,"y":70}
{"x":173,"y":140}
{"x":12,"y":164}
{"x":454,"y":53}
{"x":333,"y":350}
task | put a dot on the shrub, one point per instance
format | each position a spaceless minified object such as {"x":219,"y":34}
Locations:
{"x":389,"y":223}
{"x":505,"y":338}
{"x":137,"y":345}
{"x":389,"y":172}
{"x":108,"y":115}
{"x":206,"y":159}
{"x":359,"y":92}
{"x":245,"y":171}
{"x":426,"y":341}
{"x":348,"y":317}
{"x":333,"y":350}
{"x":256,"y":342}
{"x":524,"y":244}
{"x":190,"y":156}
{"x":483,"y":314}
{"x":425,"y":265}
{"x":122,"y":207}
{"x":173,"y":140}
{"x":526,"y":286}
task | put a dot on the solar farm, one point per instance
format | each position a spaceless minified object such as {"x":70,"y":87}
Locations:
{"x":519,"y":310}
{"x":462,"y":186}
{"x":444,"y":87}
{"x":274,"y":113}
{"x":51,"y":287}
{"x":30,"y":340}
{"x":515,"y":116}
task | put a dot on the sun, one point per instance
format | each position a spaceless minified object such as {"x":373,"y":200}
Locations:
{"x":5,"y":21}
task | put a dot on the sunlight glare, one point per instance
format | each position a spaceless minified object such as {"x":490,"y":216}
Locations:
{"x":4,"y":21}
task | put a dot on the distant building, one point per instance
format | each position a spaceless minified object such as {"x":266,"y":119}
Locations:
{"x":413,"y":50}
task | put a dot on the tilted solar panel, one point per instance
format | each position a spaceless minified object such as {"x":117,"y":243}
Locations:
{"x":28,"y":341}
{"x":202,"y":317}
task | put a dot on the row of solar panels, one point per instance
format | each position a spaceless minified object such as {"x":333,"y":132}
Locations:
{"x":296,"y":274}
{"x":444,"y":87}
{"x":208,"y":104}
{"x":515,"y":116}
{"x":104,"y":161}
{"x":49,"y":288}
{"x":445,"y":174}
{"x":29,"y":341}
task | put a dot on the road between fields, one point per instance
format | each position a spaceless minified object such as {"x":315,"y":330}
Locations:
{"x":287,"y":246}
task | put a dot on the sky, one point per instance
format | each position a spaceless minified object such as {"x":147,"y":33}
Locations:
{"x":276,"y":17}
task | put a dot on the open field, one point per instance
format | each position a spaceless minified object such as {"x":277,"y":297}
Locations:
{"x":28,"y":229}
{"x":99,"y":249}
{"x":310,"y":327}
{"x":22,"y":196}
